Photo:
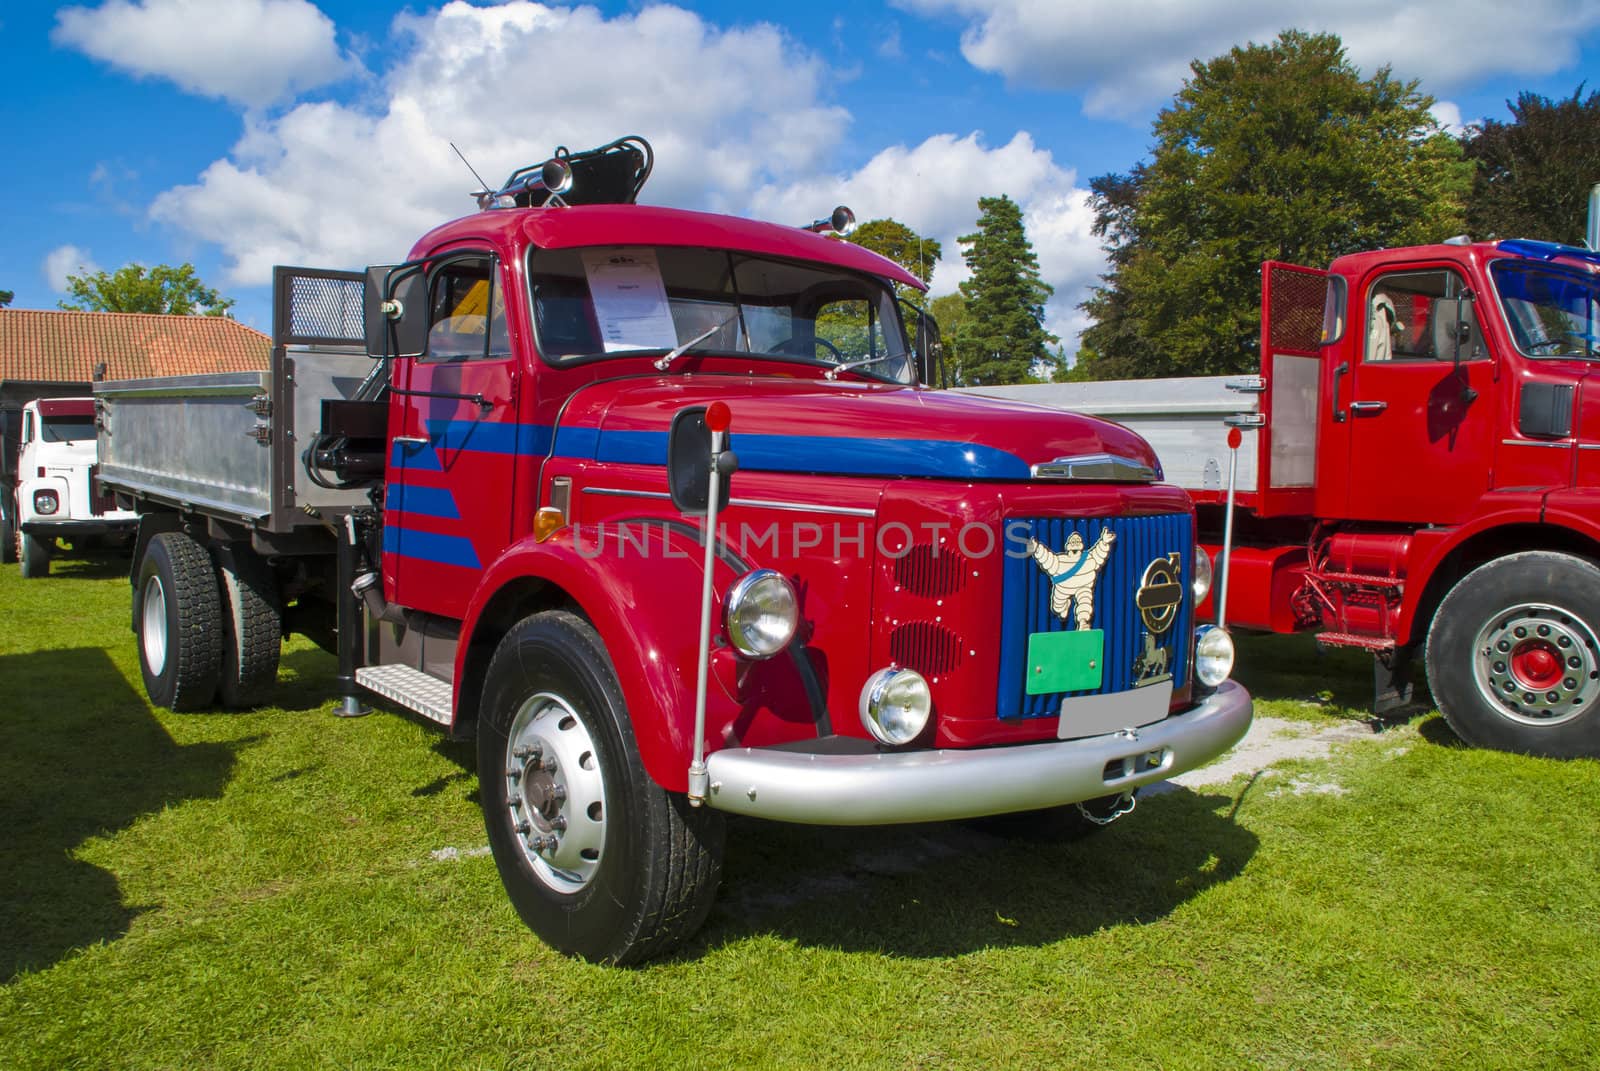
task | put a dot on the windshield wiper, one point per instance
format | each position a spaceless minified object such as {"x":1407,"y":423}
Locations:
{"x":665,"y":360}
{"x":833,"y":373}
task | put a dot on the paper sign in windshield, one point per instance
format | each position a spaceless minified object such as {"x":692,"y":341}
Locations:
{"x":630,"y":301}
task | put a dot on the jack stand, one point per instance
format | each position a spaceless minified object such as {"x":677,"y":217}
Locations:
{"x":351,"y":707}
{"x":1392,"y":687}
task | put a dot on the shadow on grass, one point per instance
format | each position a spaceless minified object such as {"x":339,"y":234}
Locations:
{"x":106,"y":565}
{"x":307,"y":680}
{"x":80,"y":756}
{"x":942,"y":890}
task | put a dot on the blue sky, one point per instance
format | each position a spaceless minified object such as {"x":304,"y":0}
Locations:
{"x":241,"y":133}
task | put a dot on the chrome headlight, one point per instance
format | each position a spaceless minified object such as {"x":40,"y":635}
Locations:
{"x":45,"y":503}
{"x":761,"y":613}
{"x":1213,"y":655}
{"x":895,"y":704}
{"x":1202,"y":574}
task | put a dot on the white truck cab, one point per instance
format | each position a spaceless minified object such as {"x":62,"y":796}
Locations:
{"x":55,"y":492}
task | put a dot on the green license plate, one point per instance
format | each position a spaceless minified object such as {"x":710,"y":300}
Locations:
{"x":1065,"y":661}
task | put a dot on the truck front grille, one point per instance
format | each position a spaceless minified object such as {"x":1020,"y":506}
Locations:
{"x":1026,"y":604}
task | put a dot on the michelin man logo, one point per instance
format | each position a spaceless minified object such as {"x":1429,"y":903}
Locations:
{"x":1072,"y":574}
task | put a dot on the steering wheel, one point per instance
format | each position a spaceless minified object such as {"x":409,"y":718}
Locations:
{"x":798,"y":347}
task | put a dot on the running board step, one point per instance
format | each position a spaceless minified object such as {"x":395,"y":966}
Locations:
{"x":413,"y":689}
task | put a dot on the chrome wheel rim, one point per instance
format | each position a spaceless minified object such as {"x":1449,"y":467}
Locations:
{"x":153,"y":625}
{"x":1537,"y":664}
{"x":555,"y":793}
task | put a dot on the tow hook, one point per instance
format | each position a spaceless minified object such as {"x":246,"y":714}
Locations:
{"x":1116,"y":807}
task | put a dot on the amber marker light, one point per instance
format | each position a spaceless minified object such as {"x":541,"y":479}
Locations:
{"x":547,"y":522}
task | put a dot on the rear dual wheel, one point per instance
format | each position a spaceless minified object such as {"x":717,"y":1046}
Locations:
{"x":1514,"y":655}
{"x":597,"y":859}
{"x":208,"y":628}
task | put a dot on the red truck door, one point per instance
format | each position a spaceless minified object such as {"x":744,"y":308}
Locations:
{"x":1419,"y":430}
{"x":453,"y":464}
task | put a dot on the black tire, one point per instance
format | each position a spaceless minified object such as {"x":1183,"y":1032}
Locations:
{"x":1514,"y":655}
{"x":253,"y":612}
{"x":34,"y":554}
{"x":635,"y":868}
{"x":8,"y":538}
{"x":178,"y":621}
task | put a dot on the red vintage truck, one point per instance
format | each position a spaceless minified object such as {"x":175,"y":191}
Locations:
{"x":1419,"y":471}
{"x":485,"y":478}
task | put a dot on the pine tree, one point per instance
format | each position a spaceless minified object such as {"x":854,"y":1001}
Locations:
{"x":1003,"y":339}
{"x":1270,"y":152}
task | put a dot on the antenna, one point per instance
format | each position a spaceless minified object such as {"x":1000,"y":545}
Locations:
{"x":484,"y":186}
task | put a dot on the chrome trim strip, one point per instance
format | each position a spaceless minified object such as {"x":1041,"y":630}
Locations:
{"x":619,"y":492}
{"x":1589,"y":446}
{"x":925,"y":786}
{"x":759,"y":503}
{"x":802,"y":507}
{"x":1531,"y":442}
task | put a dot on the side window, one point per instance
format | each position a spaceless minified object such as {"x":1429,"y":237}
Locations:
{"x":1421,"y":316}
{"x":467,"y":312}
{"x":27,"y":426}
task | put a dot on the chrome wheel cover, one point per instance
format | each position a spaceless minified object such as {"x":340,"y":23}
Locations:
{"x":555,"y":793}
{"x":153,"y":625}
{"x":1537,"y":664}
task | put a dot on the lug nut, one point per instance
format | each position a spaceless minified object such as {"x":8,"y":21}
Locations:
{"x":559,"y":792}
{"x":523,"y":828}
{"x":515,"y":773}
{"x":523,"y":751}
{"x":550,"y":764}
{"x":559,"y":823}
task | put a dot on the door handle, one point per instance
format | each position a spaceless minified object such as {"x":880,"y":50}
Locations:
{"x":411,"y":440}
{"x":1338,"y":373}
{"x":1368,"y":408}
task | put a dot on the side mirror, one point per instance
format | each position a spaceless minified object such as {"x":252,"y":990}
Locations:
{"x":926,"y":343}
{"x":394,"y":304}
{"x":1462,"y":331}
{"x":689,"y":449}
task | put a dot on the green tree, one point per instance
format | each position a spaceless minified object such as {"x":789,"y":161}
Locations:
{"x":1003,"y":339}
{"x":135,"y":288}
{"x":6,"y":297}
{"x":901,"y":244}
{"x":1534,"y":172}
{"x":1271,"y":152}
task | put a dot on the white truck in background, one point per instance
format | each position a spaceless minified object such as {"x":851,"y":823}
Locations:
{"x":54,"y":495}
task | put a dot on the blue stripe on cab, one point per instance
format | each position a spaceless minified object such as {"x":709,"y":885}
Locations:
{"x":430,"y":547}
{"x":427,"y":501}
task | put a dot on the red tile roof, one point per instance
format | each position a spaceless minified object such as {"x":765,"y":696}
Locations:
{"x":39,"y":344}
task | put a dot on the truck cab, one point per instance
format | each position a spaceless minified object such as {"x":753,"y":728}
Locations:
{"x":55,"y":494}
{"x":662,"y":507}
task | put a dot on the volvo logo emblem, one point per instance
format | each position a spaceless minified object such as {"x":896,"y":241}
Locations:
{"x":1160,"y":593}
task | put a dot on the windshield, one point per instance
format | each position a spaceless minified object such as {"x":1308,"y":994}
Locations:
{"x":67,"y":429}
{"x":1552,"y":312}
{"x":607,"y":302}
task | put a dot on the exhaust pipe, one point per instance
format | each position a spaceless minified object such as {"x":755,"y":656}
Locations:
{"x":369,"y":588}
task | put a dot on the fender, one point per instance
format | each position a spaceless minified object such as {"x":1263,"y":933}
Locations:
{"x":1534,"y":508}
{"x":653,"y":641}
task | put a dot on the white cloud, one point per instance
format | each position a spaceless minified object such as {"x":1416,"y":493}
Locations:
{"x":250,"y":52}
{"x":65,"y":260}
{"x":1128,"y":56}
{"x":1448,"y":115}
{"x":324,"y":183}
{"x":934,"y":189}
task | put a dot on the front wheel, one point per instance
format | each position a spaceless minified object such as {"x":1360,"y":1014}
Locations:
{"x":1514,"y":655}
{"x":34,"y":554}
{"x":598,"y":860}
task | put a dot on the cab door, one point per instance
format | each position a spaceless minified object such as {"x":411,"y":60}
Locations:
{"x":1419,"y":427}
{"x":454,"y":463}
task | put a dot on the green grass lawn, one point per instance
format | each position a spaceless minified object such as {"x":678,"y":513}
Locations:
{"x":274,"y":889}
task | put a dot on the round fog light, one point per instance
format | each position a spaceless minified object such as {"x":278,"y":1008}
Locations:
{"x":761,"y":613}
{"x":895,"y":704}
{"x":1202,"y":574}
{"x":45,"y":503}
{"x":1213,"y":655}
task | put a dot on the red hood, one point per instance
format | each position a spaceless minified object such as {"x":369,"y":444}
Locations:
{"x":845,"y":429}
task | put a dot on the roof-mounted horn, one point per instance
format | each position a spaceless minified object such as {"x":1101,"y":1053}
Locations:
{"x":612,"y":174}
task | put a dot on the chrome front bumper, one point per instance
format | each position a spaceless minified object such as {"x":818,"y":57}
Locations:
{"x":884,"y":788}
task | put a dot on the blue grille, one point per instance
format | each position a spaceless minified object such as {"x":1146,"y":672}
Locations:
{"x":1025,"y":606}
